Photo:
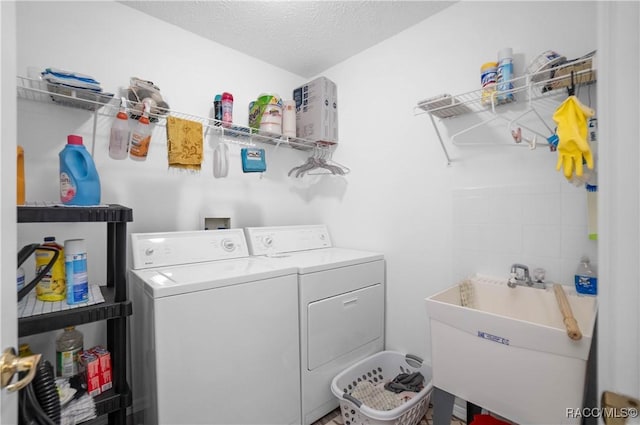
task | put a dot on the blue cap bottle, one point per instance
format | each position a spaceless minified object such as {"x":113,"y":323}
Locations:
{"x":79,"y":181}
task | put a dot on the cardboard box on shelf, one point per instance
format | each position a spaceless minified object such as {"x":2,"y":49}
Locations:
{"x":583,"y":73}
{"x":317,"y":110}
{"x":104,"y":363}
{"x":89,"y":365}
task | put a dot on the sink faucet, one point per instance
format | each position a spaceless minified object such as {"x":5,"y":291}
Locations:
{"x":520,"y":276}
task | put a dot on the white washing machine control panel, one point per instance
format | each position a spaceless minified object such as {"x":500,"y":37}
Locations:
{"x":175,"y":248}
{"x":280,"y":239}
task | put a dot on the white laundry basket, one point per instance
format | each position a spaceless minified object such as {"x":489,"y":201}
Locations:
{"x":382,"y":367}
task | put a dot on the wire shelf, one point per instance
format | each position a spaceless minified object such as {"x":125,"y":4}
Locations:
{"x":528,"y":87}
{"x":108,"y":105}
{"x":546,"y":84}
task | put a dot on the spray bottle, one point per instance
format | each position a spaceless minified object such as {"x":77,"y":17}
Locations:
{"x":120,"y":134}
{"x":141,"y":136}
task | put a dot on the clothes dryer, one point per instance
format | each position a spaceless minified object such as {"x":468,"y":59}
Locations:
{"x":341,"y":302}
{"x":214,"y":332}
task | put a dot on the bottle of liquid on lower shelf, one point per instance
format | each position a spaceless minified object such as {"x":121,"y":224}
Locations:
{"x":586,"y":278}
{"x":69,"y":344}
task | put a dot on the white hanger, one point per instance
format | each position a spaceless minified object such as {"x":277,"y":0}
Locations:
{"x":320,"y":159}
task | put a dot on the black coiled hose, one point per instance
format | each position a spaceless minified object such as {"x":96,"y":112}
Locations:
{"x":40,"y":402}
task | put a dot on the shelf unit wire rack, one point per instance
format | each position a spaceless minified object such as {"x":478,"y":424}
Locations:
{"x":530,"y":88}
{"x":108,"y":105}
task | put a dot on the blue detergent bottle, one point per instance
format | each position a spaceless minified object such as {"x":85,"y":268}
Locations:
{"x":79,"y":181}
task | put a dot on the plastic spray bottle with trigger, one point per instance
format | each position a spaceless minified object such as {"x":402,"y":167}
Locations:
{"x":141,"y":136}
{"x":120,"y":134}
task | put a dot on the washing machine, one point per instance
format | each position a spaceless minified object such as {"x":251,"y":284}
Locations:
{"x":214,"y":335}
{"x":341,"y":302}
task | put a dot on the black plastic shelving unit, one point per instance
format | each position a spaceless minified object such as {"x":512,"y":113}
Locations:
{"x":115,"y":309}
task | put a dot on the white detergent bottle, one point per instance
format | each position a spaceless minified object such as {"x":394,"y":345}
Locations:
{"x":120,"y":133}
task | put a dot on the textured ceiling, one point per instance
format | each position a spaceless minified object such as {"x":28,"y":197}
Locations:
{"x":303,"y":37}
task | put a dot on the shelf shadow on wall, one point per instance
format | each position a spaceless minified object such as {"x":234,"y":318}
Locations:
{"x":311,"y":187}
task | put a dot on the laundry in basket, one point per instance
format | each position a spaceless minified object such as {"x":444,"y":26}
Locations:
{"x":361,"y":386}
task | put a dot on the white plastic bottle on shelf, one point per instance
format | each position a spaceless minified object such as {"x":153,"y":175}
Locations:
{"x":289,"y":118}
{"x":120,"y":134}
{"x":141,"y":137}
{"x":505,"y":75}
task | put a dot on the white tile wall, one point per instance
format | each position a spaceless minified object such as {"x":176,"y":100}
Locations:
{"x":540,"y":225}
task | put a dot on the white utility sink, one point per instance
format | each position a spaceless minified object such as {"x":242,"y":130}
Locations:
{"x":508,"y":351}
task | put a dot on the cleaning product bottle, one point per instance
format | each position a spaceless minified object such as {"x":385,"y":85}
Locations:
{"x":227,"y":109}
{"x":488,"y":76}
{"x":79,"y":181}
{"x":591,"y":184}
{"x":20,"y":278}
{"x":217,"y":110}
{"x":505,"y":75}
{"x":119,"y":138}
{"x":24,"y":350}
{"x":141,"y":137}
{"x":20,"y":176}
{"x":69,"y":344}
{"x":52,"y":287}
{"x":75,"y":262}
{"x":586,"y":278}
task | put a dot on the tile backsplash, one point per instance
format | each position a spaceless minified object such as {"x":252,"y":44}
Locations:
{"x":540,"y":225}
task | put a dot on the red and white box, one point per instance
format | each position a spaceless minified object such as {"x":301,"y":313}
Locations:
{"x":104,"y":362}
{"x":90,"y":365}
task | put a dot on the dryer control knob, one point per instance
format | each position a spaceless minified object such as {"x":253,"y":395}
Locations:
{"x":228,"y":245}
{"x":148,"y":251}
{"x":267,"y":241}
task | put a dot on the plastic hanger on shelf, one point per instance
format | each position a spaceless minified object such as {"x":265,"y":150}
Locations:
{"x":319,"y":160}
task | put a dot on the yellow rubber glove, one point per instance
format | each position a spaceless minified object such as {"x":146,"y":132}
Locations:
{"x":571,"y":117}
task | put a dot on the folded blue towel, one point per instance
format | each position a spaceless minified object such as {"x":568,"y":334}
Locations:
{"x":62,"y":73}
{"x":71,"y":79}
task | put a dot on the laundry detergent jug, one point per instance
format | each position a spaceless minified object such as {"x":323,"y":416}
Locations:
{"x":79,"y":181}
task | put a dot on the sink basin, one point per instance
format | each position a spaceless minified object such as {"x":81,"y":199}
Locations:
{"x":508,"y":351}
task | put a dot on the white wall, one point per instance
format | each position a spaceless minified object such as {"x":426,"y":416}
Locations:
{"x":112,"y":43}
{"x":404,"y":201}
{"x":400,"y":198}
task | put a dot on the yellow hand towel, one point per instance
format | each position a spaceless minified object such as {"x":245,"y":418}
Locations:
{"x":184,"y":143}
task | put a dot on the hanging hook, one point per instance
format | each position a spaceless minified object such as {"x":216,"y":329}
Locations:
{"x":571,"y":90}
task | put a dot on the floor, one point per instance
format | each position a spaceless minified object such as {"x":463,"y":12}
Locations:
{"x":335,"y":418}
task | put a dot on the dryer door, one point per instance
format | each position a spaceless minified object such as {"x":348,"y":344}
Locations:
{"x":342,"y":323}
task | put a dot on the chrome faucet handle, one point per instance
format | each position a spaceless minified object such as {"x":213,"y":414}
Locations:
{"x":511,"y":283}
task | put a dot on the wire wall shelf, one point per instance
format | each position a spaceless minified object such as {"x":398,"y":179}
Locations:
{"x":106,"y":104}
{"x":531,"y":88}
